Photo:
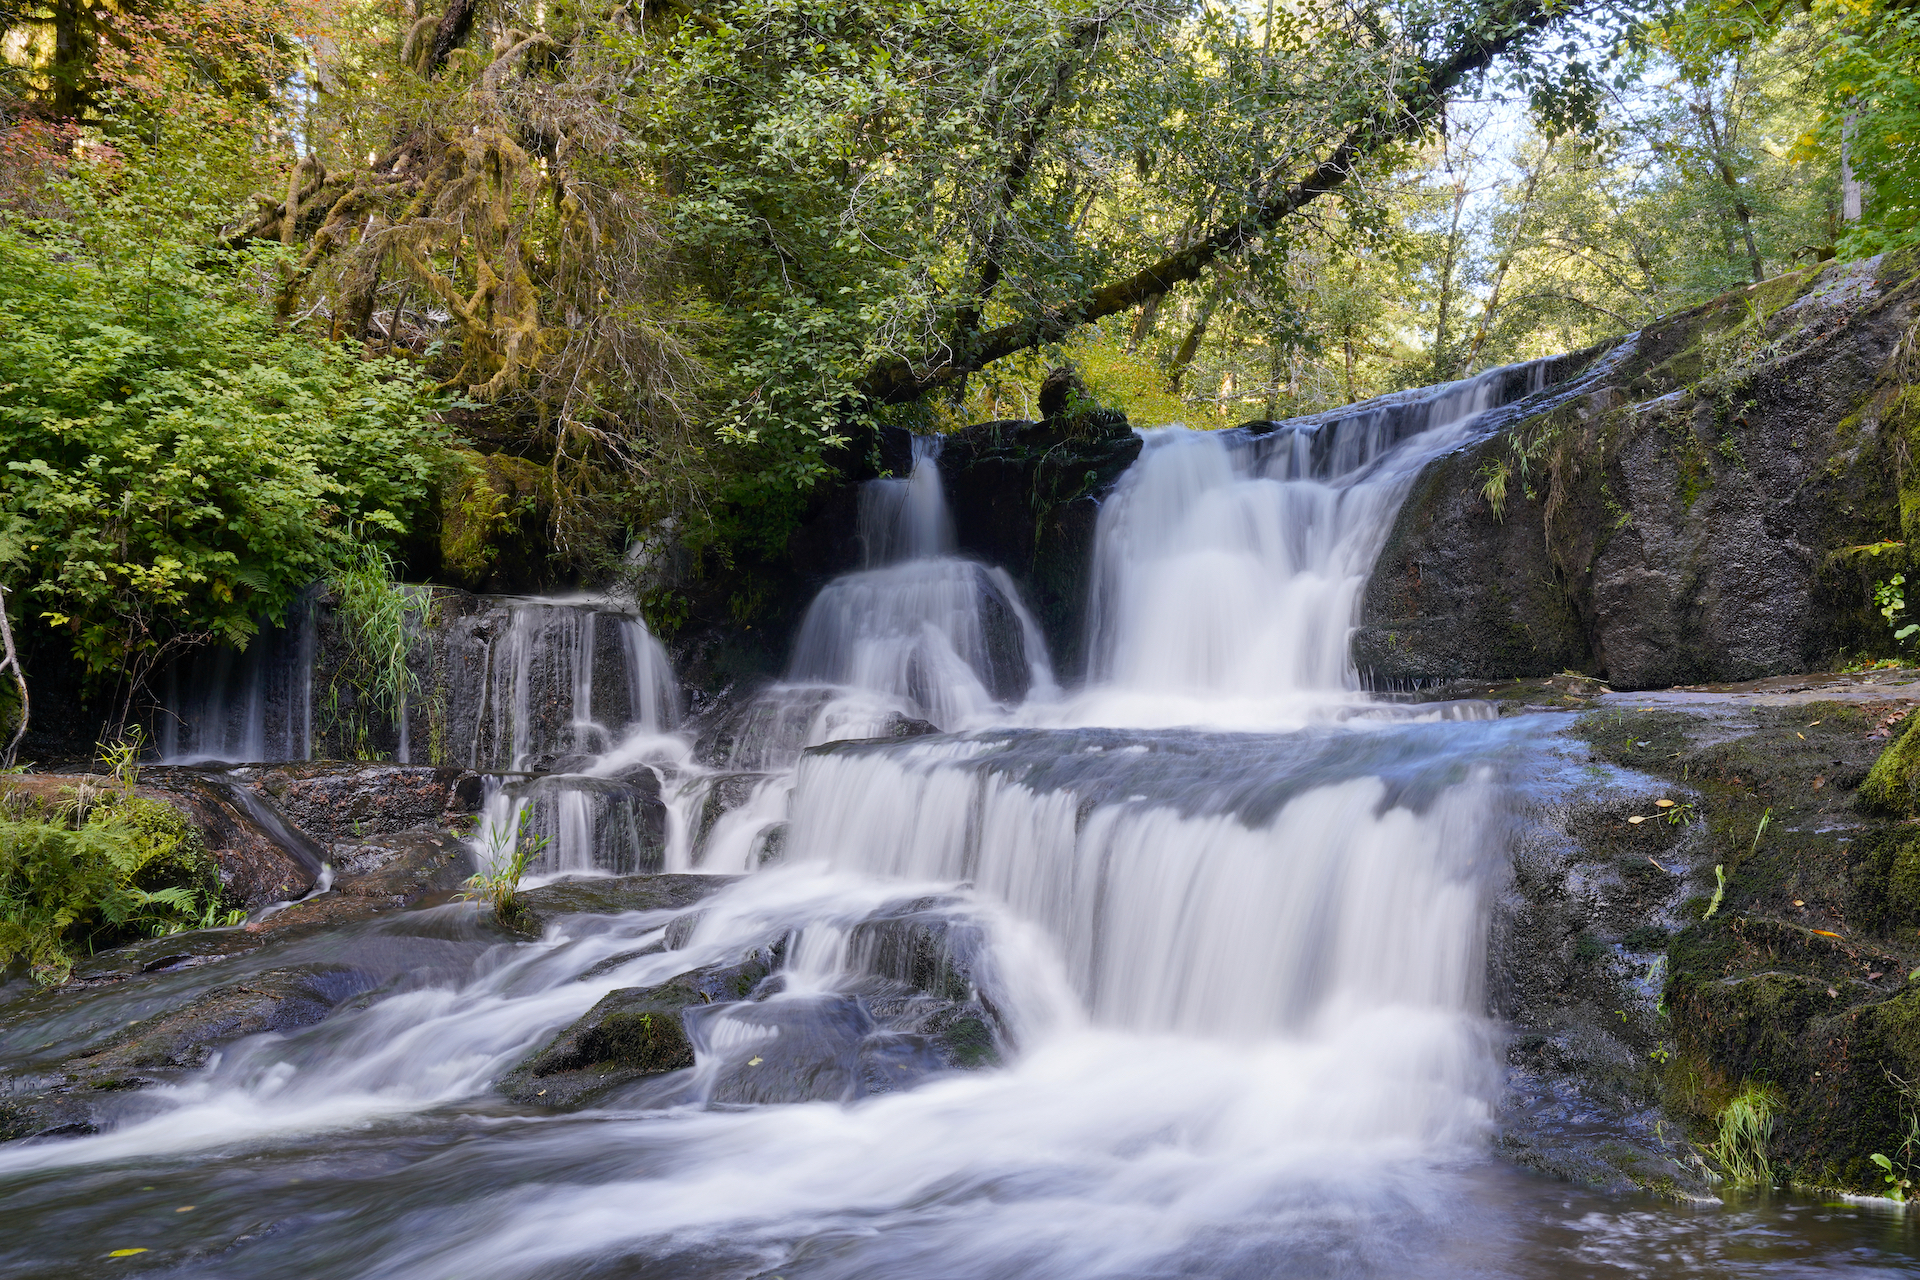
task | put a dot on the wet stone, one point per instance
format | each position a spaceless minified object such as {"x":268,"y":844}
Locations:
{"x":614,"y":895}
{"x":334,"y":801}
{"x":630,"y":1034}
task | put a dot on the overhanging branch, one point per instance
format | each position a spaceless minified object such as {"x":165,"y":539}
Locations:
{"x":898,"y":381}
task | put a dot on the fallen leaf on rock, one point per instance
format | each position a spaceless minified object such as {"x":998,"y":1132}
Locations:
{"x":1826,"y":933}
{"x":1798,"y":903}
{"x":1636,"y":819}
{"x":125,"y":1253}
{"x":1832,"y":994}
{"x":754,"y":1062}
{"x":185,"y":1208}
{"x":1664,"y":804}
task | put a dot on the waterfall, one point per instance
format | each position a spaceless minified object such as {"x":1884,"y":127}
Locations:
{"x":949,"y":638}
{"x":562,"y":678}
{"x":1237,"y":976}
{"x":1229,"y":564}
{"x":245,"y":705}
{"x":588,"y":699}
{"x":1193,"y":892}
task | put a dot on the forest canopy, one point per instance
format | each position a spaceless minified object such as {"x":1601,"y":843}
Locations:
{"x":276,"y":271}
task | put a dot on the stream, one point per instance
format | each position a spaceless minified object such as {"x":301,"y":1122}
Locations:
{"x":1223,"y":915}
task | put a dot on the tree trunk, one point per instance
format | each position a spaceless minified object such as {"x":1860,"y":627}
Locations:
{"x":1724,"y":164}
{"x":455,"y":25}
{"x":1506,"y":260}
{"x":1442,"y":322}
{"x":1143,"y":323}
{"x":1852,"y":191}
{"x":10,"y":659}
{"x":1190,"y":345}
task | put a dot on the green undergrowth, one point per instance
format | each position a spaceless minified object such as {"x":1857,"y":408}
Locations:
{"x":95,"y":868}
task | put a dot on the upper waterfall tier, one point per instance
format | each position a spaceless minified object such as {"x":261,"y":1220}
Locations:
{"x":950,"y":639}
{"x":1229,"y":564}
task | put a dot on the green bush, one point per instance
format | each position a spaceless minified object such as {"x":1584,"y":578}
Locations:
{"x":93,"y":876}
{"x":173,"y":463}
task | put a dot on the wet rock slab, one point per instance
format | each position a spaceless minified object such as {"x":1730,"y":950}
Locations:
{"x":336,"y":801}
{"x":1651,"y":969}
{"x":613,"y":895}
{"x":147,"y":1013}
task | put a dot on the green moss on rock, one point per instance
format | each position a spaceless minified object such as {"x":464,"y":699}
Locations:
{"x":1893,"y":784}
{"x":490,"y":514}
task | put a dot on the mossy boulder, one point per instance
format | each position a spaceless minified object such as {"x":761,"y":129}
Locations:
{"x":1764,"y":939}
{"x":494,"y":509}
{"x":1687,"y":516}
{"x":632,"y":1033}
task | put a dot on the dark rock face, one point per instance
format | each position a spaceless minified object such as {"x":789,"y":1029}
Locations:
{"x":1026,"y":496}
{"x":1674,"y":521}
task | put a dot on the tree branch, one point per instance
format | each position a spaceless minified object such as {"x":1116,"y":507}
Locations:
{"x":898,"y":381}
{"x":1014,"y":180}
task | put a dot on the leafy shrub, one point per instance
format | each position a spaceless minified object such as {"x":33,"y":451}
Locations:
{"x":99,"y":871}
{"x":173,"y":464}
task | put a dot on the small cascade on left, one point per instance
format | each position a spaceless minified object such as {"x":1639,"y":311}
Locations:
{"x":244,"y":705}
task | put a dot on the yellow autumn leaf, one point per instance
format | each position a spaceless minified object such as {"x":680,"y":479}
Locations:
{"x":125,"y":1253}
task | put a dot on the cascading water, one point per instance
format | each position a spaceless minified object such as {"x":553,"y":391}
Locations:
{"x":568,"y":679}
{"x":238,"y":706}
{"x":1235,"y":977}
{"x":948,"y":638}
{"x":1229,"y":564}
{"x":589,"y":698}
